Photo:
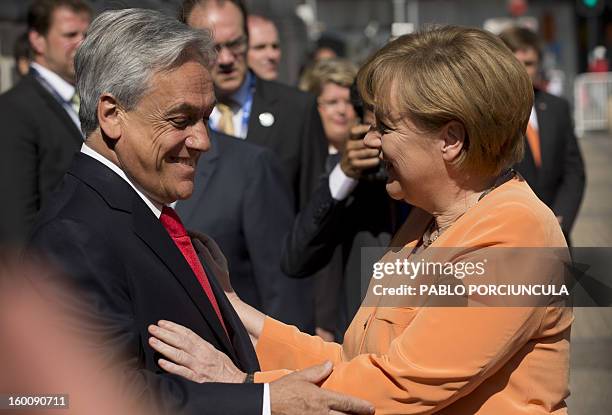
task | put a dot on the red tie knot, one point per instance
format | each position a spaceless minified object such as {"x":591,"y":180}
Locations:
{"x":172,"y":223}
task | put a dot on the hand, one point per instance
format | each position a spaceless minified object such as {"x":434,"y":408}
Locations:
{"x":212,"y":256}
{"x":298,"y":393}
{"x":190,"y":356}
{"x":356,"y":157}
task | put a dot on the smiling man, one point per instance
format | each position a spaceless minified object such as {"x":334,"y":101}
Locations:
{"x":39,"y":116}
{"x":147,"y":93}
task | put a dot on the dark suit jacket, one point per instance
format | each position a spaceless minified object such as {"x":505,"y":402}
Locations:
{"x":366,"y":218}
{"x":559,"y":182}
{"x":241,"y":200}
{"x":296,"y":136}
{"x":123,"y":263}
{"x":39,"y":140}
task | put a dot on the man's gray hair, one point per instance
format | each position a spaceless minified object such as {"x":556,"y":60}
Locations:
{"x":124,"y":49}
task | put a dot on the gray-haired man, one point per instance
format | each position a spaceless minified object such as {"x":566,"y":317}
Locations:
{"x":146,"y":95}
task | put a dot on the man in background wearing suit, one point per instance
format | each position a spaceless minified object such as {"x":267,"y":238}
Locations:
{"x":147,"y":92}
{"x":263,"y":112}
{"x":264,"y":53}
{"x":249,"y":215}
{"x":39,"y":116}
{"x":553,"y":164}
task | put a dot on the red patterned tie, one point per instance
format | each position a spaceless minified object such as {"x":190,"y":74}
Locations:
{"x":178,"y":233}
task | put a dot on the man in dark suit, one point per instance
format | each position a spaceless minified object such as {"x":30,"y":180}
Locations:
{"x":41,"y":130}
{"x":553,"y":164}
{"x":263,"y":112}
{"x":146,"y":92}
{"x":249,"y":215}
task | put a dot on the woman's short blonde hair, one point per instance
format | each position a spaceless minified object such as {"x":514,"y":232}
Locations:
{"x":339,"y":71}
{"x":455,"y":74}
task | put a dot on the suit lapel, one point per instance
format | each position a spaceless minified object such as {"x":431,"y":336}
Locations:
{"x":152,"y":233}
{"x":57,"y":109}
{"x":545,"y":130}
{"x":243,"y":357}
{"x":263,"y":103}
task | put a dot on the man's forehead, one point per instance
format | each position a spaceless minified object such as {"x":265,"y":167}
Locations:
{"x":189,"y":75}
{"x":62,"y":14}
{"x":213,"y":15}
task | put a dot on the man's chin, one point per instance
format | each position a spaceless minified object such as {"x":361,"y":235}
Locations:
{"x":226,"y":86}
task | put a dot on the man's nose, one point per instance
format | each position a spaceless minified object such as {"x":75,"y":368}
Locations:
{"x":199,"y":139}
{"x":225,"y":57}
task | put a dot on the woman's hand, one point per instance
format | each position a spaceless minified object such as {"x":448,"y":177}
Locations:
{"x":212,"y":256}
{"x":190,"y":356}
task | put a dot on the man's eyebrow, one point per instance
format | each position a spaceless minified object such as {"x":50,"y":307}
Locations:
{"x":184,"y":108}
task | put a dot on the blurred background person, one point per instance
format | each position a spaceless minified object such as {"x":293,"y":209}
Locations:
{"x":22,"y":53}
{"x":330,"y":81}
{"x":264,"y":53}
{"x":350,"y":209}
{"x":39,"y":116}
{"x":266,"y":113}
{"x":328,"y":46}
{"x":552,"y":164}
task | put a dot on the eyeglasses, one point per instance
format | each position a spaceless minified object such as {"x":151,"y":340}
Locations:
{"x":237,"y":46}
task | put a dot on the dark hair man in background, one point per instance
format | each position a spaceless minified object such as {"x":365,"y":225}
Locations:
{"x":39,"y":116}
{"x":553,"y":164}
{"x":264,"y":53}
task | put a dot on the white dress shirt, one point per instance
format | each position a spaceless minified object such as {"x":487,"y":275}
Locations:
{"x":340,"y":185}
{"x":533,"y":119}
{"x":240,"y":98}
{"x":156,"y":208}
{"x":62,"y":88}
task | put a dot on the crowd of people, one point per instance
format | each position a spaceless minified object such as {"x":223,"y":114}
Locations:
{"x":210,"y":221}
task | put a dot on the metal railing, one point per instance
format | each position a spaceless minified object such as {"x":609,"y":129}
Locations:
{"x":593,"y":102}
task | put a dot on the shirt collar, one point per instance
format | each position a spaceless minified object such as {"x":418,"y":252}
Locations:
{"x":155,"y":207}
{"x":63,"y":88}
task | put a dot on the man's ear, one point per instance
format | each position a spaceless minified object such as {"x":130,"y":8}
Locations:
{"x":453,"y":136}
{"x":37,"y":42}
{"x":109,"y":116}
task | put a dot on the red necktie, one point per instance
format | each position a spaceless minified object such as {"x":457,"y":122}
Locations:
{"x":178,"y":233}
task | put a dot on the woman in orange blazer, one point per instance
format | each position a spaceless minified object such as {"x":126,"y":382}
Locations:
{"x":451,"y":108}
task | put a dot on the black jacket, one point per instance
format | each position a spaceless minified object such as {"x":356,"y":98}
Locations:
{"x":560,"y":180}
{"x":296,"y":136}
{"x":121,"y":261}
{"x":39,"y":140}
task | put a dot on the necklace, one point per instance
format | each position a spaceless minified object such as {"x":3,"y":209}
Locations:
{"x":433,"y":231}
